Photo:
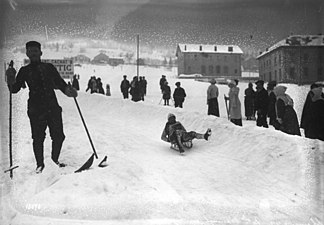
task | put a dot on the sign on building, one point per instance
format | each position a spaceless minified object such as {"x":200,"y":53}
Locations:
{"x":64,"y":66}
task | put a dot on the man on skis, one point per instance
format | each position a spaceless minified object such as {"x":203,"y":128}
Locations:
{"x":43,"y":108}
{"x":175,"y":132}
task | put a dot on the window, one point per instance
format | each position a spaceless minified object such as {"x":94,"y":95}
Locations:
{"x":305,"y":71}
{"x":306,"y":57}
{"x":275,"y":60}
{"x":203,"y":70}
{"x":218,"y":69}
{"x":320,"y":74}
{"x":225,"y":58}
{"x":235,"y":71}
{"x":279,"y":59}
{"x":275,"y":77}
{"x":292,"y":72}
{"x":226,"y":69}
{"x":189,"y":69}
{"x":211,"y":69}
{"x":280,"y":78}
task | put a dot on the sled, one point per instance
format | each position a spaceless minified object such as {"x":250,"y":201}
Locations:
{"x":186,"y":144}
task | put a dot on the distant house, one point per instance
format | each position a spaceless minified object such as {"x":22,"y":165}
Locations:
{"x":81,"y":59}
{"x":296,"y":59}
{"x":209,"y":60}
{"x":115,"y":61}
{"x":101,"y":59}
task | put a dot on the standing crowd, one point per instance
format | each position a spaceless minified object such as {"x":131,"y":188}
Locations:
{"x":273,"y":103}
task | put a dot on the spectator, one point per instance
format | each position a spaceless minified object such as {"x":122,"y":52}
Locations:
{"x":100,"y":89}
{"x":249,"y":102}
{"x":108,"y":93}
{"x":124,"y":87}
{"x":179,"y":95}
{"x":162,"y":82}
{"x":314,"y":123}
{"x":75,"y":83}
{"x":235,"y":114}
{"x":286,"y":117}
{"x":272,"y":102}
{"x":166,"y":93}
{"x":212,"y":101}
{"x":261,"y":104}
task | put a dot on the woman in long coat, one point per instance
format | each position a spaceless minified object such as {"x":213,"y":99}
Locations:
{"x":235,"y":114}
{"x":315,"y":124}
{"x":249,"y":102}
{"x":212,"y":101}
{"x":287,"y":120}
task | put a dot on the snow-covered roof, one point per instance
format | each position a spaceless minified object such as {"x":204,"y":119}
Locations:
{"x":209,"y":48}
{"x":297,"y":40}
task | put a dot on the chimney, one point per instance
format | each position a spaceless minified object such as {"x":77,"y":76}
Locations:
{"x":267,"y":49}
{"x":260,"y":53}
{"x":215,"y":48}
{"x":185,"y":48}
{"x":200,"y":48}
{"x":230,"y":48}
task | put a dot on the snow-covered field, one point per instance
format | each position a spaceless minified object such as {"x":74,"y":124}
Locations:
{"x":242,"y":175}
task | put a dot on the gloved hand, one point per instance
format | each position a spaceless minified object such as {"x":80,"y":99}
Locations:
{"x":11,"y":74}
{"x":70,"y":91}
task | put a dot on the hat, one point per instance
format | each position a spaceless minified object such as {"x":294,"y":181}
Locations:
{"x":213,"y":81}
{"x":280,"y":90}
{"x":231,"y":82}
{"x":315,"y":85}
{"x":260,"y":82}
{"x":272,"y":83}
{"x":171,"y":115}
{"x":33,"y":44}
{"x":163,"y":75}
{"x":177,"y":83}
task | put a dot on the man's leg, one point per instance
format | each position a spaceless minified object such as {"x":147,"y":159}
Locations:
{"x":179,"y":141}
{"x":55,"y":125}
{"x":38,"y":126}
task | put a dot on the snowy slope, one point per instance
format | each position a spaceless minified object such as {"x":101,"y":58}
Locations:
{"x":242,"y":175}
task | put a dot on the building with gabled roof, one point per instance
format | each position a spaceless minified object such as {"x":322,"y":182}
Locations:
{"x":209,"y":60}
{"x":296,"y":59}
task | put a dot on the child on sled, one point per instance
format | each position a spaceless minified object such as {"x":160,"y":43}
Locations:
{"x":176,"y":134}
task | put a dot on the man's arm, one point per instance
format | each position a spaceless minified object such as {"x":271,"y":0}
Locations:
{"x":58,"y":80}
{"x":19,"y":82}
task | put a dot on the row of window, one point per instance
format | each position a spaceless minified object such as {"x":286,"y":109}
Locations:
{"x":293,"y":74}
{"x":225,"y":58}
{"x":277,"y":60}
{"x":218,"y":69}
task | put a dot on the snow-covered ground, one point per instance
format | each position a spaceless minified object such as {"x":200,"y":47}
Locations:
{"x":242,"y":175}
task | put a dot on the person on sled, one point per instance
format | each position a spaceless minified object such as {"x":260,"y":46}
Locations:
{"x":175,"y":133}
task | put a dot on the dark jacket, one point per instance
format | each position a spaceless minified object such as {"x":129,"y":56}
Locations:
{"x":179,"y":94}
{"x":168,"y":133}
{"x":75,"y":83}
{"x":261,"y":101}
{"x":42,"y":79}
{"x":315,"y":123}
{"x":124,"y":85}
{"x":287,"y":114}
{"x":166,"y":92}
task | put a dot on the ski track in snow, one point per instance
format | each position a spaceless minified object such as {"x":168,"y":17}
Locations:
{"x":239,"y":176}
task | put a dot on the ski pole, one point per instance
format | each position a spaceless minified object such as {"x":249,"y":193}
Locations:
{"x":85,"y":127}
{"x":226,"y":107}
{"x":10,"y":74}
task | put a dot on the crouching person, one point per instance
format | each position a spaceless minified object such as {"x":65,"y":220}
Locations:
{"x":175,"y":133}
